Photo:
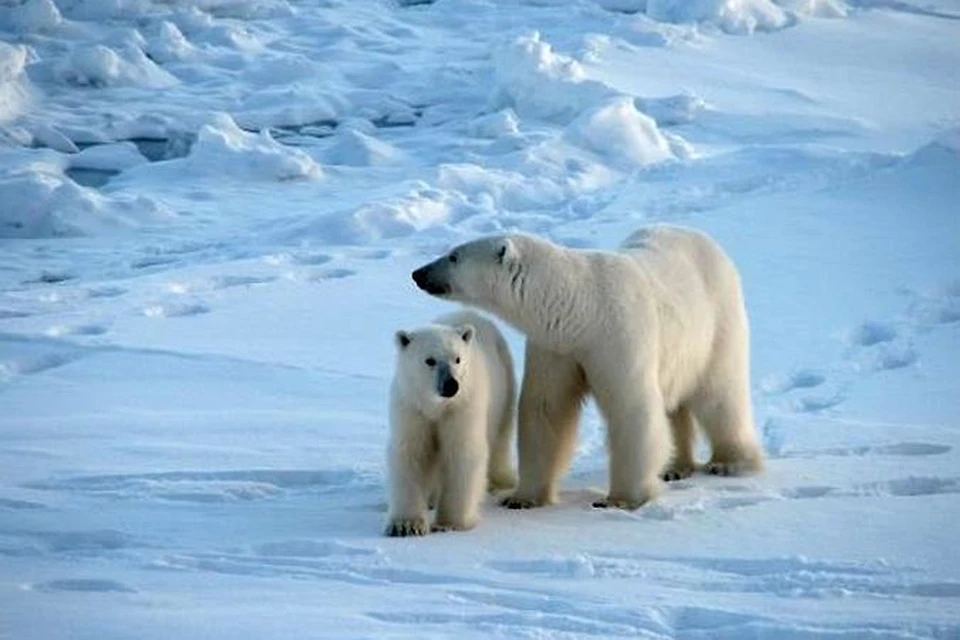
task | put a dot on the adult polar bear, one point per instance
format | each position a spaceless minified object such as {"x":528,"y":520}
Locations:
{"x":657,"y":332}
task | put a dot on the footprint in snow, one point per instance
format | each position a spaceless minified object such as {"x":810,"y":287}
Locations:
{"x":7,"y":314}
{"x":800,"y":379}
{"x":814,"y":403}
{"x":873,"y":333}
{"x":894,"y":449}
{"x":90,"y":585}
{"x":332,"y":274}
{"x":60,"y":330}
{"x":230,"y":281}
{"x":105,"y":292}
{"x":175,"y":310}
{"x":375,"y":254}
{"x":302,"y":259}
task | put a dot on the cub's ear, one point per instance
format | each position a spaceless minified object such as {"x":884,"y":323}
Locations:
{"x":403,"y":339}
{"x":506,"y":251}
{"x":466,"y":332}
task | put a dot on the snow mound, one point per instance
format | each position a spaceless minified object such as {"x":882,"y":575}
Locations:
{"x":732,"y":16}
{"x":31,"y":16}
{"x":169,"y":44}
{"x":494,"y":125}
{"x":224,"y":149}
{"x":743,"y":16}
{"x":359,"y":149}
{"x":101,"y":66}
{"x":108,"y":157}
{"x":624,"y":136}
{"x":40,"y":202}
{"x":536,"y":81}
{"x":941,"y":151}
{"x":14,"y":86}
{"x":816,"y":8}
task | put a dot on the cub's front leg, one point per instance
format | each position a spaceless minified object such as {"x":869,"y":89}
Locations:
{"x":463,"y":478}
{"x":412,"y":468}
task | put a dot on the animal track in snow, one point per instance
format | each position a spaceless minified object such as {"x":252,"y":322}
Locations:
{"x":810,"y":404}
{"x":894,"y":449}
{"x":19,"y":505}
{"x":33,"y":362}
{"x":209,"y":486}
{"x":894,"y":357}
{"x":105,"y":292}
{"x":801,"y":379}
{"x":872,"y":333}
{"x":375,"y":254}
{"x":230,"y":281}
{"x":332,"y":274}
{"x":76,"y":330}
{"x":909,"y":487}
{"x":297,"y":258}
{"x":175,"y":309}
{"x":7,"y":314}
{"x":83,"y":584}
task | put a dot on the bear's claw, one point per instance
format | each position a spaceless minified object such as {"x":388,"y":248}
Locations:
{"x":676,"y":473}
{"x":404,"y":528}
{"x":616,"y":503}
{"x":513,"y":502}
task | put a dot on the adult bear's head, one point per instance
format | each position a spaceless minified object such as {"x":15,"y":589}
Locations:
{"x":541,"y":288}
{"x":486,"y":273}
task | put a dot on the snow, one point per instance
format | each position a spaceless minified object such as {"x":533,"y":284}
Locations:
{"x":210,"y":212}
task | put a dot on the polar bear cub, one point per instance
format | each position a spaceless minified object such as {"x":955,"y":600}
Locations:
{"x":451,"y":423}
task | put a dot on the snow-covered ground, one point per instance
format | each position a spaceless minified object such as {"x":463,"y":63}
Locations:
{"x":209,"y":211}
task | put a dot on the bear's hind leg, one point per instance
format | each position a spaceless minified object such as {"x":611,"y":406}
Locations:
{"x":684,"y":437}
{"x":727,"y":420}
{"x":551,"y":399}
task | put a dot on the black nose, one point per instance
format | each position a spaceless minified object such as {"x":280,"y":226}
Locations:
{"x":420,"y":277}
{"x":450,"y":388}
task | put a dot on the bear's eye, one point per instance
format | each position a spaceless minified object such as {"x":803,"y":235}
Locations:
{"x":457,"y":361}
{"x":430,"y":362}
{"x":453,"y":257}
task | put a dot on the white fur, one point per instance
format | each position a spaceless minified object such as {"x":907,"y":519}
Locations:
{"x":657,"y":331}
{"x":449,"y":449}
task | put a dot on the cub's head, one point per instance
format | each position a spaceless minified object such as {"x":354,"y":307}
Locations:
{"x":433,"y":362}
{"x":485,"y":273}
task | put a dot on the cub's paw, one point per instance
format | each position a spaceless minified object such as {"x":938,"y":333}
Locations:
{"x":677,"y":472}
{"x":619,"y":503}
{"x":406,"y":527}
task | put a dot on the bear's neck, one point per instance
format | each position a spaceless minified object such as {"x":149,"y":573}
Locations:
{"x":549,"y":299}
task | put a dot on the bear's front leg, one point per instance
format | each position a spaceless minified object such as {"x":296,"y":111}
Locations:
{"x":411,"y":471}
{"x":638,"y":438}
{"x":463,"y":478}
{"x":551,"y":399}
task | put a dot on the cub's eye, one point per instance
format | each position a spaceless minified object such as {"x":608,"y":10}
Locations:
{"x":457,"y":360}
{"x":453,"y":257}
{"x":430,"y":362}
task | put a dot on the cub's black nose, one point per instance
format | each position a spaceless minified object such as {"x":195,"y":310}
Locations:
{"x":450,"y":388}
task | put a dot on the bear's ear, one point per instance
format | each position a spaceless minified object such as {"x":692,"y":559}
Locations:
{"x":403,"y":339}
{"x":506,"y":251}
{"x":466,"y":332}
